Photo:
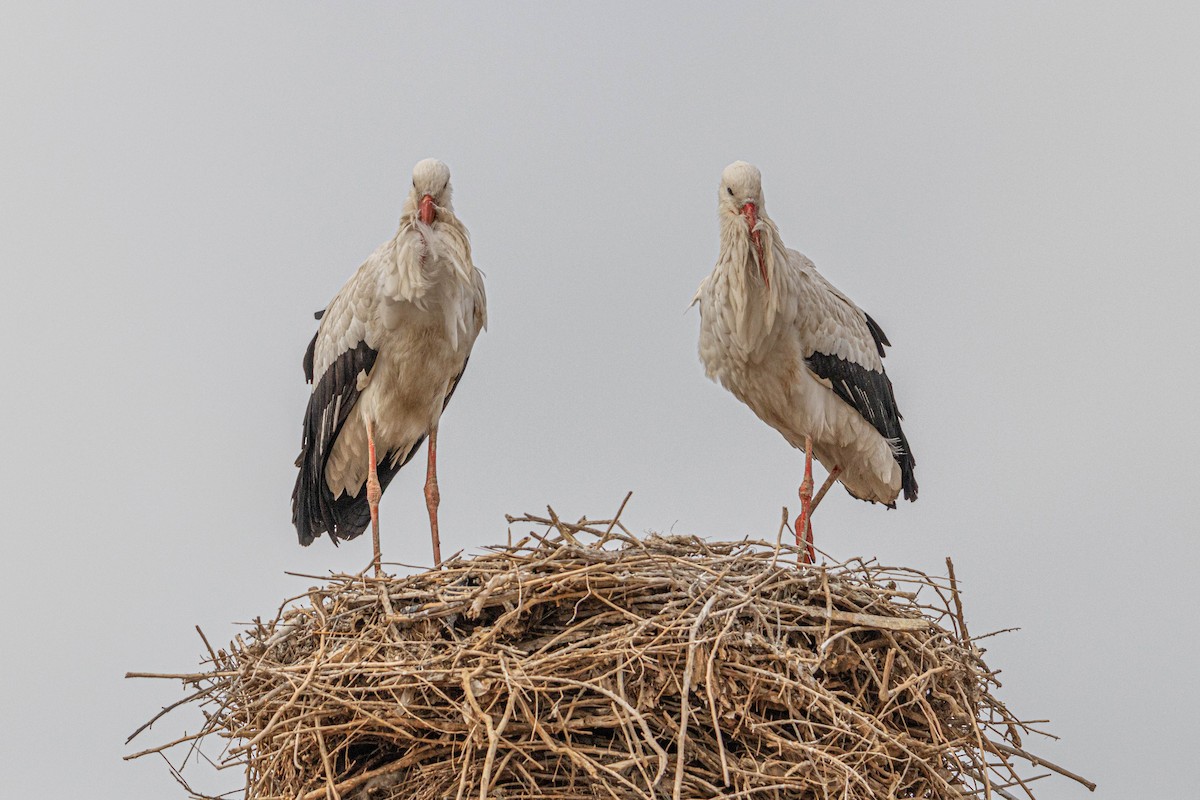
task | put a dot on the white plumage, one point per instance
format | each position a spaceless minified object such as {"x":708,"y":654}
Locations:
{"x":390,"y":350}
{"x":798,"y":352}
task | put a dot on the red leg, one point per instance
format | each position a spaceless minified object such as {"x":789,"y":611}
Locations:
{"x":432,"y":497}
{"x":825,"y":487}
{"x":804,"y":522}
{"x":373,"y":495}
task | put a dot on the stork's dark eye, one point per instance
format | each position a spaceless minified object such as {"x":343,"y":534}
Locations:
{"x":730,"y":190}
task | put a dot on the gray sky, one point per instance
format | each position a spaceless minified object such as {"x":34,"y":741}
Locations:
{"x":1011,"y":190}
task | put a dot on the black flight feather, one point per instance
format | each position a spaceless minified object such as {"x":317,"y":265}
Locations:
{"x":870,"y":393}
{"x":877,"y":334}
{"x":308,"y":358}
{"x":314,"y":509}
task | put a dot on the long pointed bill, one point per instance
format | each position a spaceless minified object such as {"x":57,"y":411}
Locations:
{"x":750,"y":212}
{"x":426,"y":210}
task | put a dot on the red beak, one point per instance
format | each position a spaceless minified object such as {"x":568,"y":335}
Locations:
{"x":750,"y":212}
{"x":426,"y":210}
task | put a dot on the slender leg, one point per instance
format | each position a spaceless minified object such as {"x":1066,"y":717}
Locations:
{"x":803,"y":523}
{"x":433,"y":497}
{"x":373,"y":495}
{"x":825,"y":487}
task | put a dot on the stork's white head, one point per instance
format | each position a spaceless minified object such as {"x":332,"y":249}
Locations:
{"x":430,"y":190}
{"x":741,"y":183}
{"x":740,"y":201}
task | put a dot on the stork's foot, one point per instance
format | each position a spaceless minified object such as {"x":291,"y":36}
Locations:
{"x":804,"y":537}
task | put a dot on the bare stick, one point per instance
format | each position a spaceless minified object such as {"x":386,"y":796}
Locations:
{"x":1041,"y":762}
{"x":615,"y":520}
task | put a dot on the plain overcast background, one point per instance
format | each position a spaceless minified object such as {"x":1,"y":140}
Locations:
{"x":1011,"y":190}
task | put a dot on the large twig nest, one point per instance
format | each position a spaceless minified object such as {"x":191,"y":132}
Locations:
{"x":669,"y":667}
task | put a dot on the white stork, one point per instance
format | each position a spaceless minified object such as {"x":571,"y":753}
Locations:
{"x":805,"y":359}
{"x":390,"y":350}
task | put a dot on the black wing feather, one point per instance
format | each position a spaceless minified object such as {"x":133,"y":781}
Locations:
{"x":308,"y":358}
{"x":877,"y":334}
{"x":314,"y":509}
{"x":871,"y":395}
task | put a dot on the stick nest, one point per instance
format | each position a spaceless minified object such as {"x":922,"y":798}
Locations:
{"x":668,"y":667}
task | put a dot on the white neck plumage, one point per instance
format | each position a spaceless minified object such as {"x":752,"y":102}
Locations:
{"x":755,"y":302}
{"x":434,"y":270}
{"x":431,"y":256}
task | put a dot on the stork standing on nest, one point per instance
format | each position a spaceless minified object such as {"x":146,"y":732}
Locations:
{"x":390,"y":350}
{"x":806,"y":359}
